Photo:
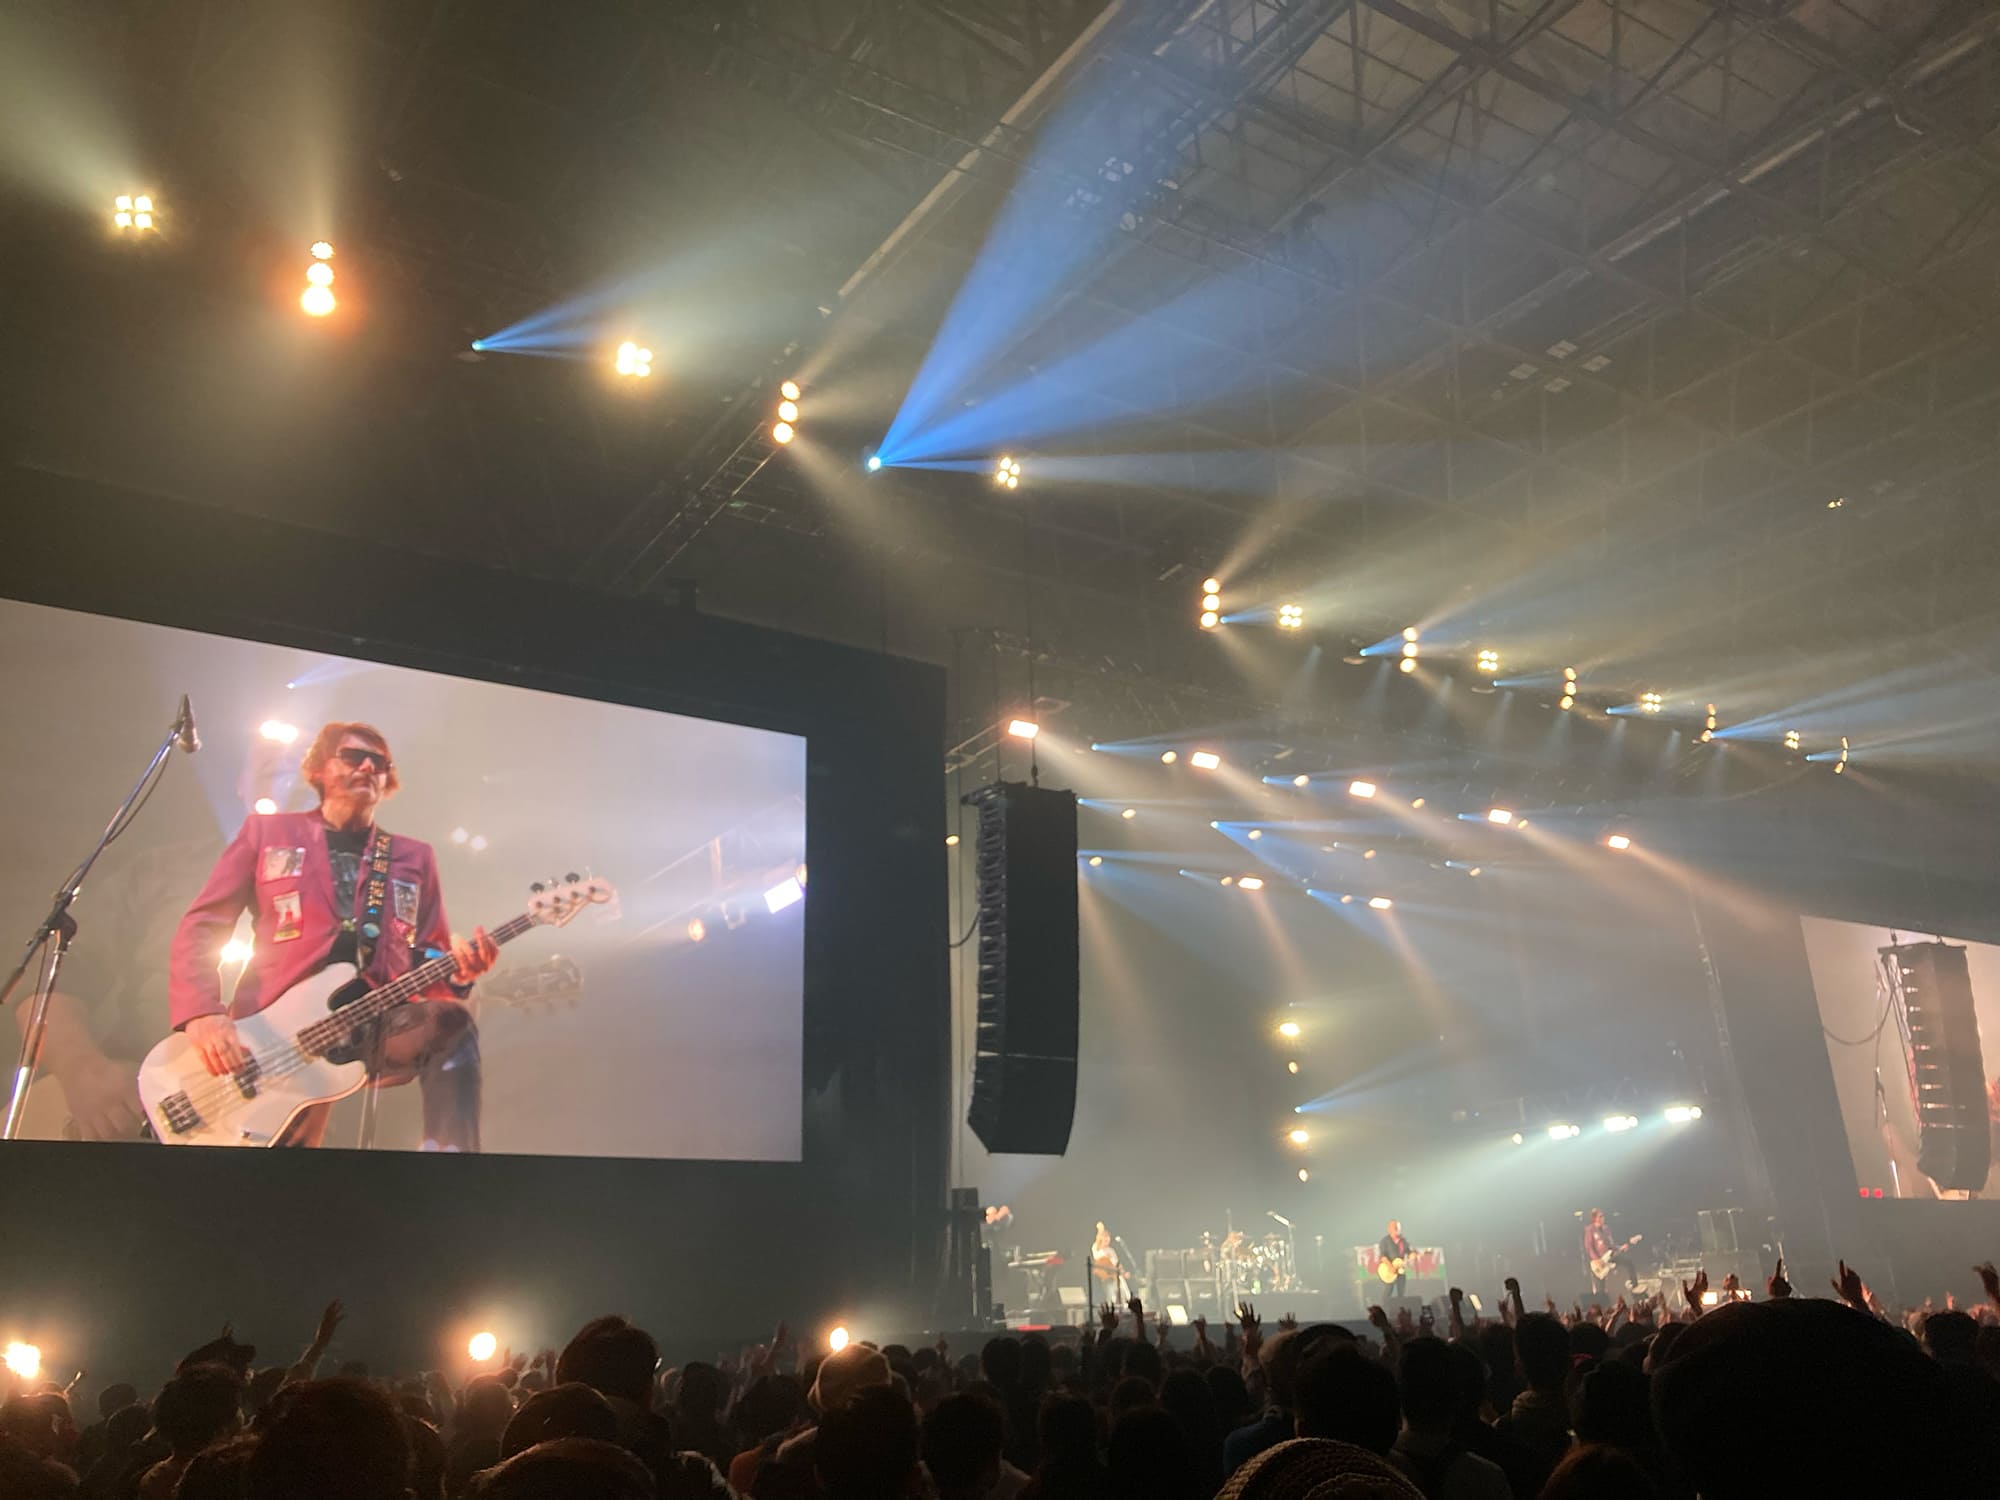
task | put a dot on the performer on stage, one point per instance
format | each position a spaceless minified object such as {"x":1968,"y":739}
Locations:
{"x":1395,"y":1247}
{"x":1597,"y":1244}
{"x":1113,"y":1284}
{"x":331,"y":887}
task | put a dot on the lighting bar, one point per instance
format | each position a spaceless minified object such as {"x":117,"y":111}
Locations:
{"x":1250,"y":883}
{"x":1361,"y":788}
{"x":1291,"y":617}
{"x":1617,"y":1124}
{"x":1023,"y":729}
{"x":1618,"y":841}
{"x":1379,"y":903}
{"x":1204,"y":760}
{"x":1489,"y":662}
{"x":1682,"y":1114}
{"x":1500,"y":815}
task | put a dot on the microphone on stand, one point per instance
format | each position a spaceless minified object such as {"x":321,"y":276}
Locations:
{"x":188,"y":740}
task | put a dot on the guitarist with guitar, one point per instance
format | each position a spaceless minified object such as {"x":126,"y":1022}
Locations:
{"x":1395,"y":1256}
{"x":1600,"y":1254}
{"x":331,"y":887}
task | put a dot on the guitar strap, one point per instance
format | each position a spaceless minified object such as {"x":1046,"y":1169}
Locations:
{"x":376,"y":895}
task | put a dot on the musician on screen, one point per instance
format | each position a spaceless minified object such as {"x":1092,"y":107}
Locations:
{"x":329,"y":886}
{"x":1395,"y":1251}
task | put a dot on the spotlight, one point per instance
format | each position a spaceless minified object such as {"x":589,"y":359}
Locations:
{"x":1023,"y":729}
{"x":1489,"y":662}
{"x":789,"y":391}
{"x":1346,"y":900}
{"x":1564,"y":1132}
{"x":1567,"y":702}
{"x":1711,"y":716}
{"x":874,"y":462}
{"x":836,"y":1340}
{"x":317,"y":301}
{"x":1096,"y":860}
{"x":1409,"y":664}
{"x":634,"y":360}
{"x":1707,"y":735}
{"x":1291,"y":617}
{"x":1516,"y":1138}
{"x":1304,"y":1175}
{"x":1409,"y":632}
{"x":1288,"y":1028}
{"x":1618,"y":841}
{"x":1416,"y":802}
{"x":1008,"y":474}
{"x":129,"y":212}
{"x":1129,"y":814}
{"x":1681,"y":1114}
{"x":1411,"y":648}
{"x":1499,"y":815}
{"x":787,"y":892}
{"x":1211,"y":585}
{"x":1380,"y":903}
{"x":1255,"y":834}
{"x":1250,"y":883}
{"x":477,"y":843}
{"x":1298,"y":1135}
{"x":1361,"y":788}
{"x":697,"y":930}
{"x":1301,"y":779}
{"x":460,"y":835}
{"x":1211,"y":600}
{"x":1367,"y":853}
{"x":319,"y":273}
{"x":1841,"y":764}
{"x":1292,"y":1066}
{"x":482,"y":1346}
{"x":788,"y":411}
{"x":1205,"y":760}
{"x":1569,"y":675}
{"x":1210,"y":619}
{"x":951,"y":841}
{"x":25,"y":1360}
{"x":782,"y":432}
{"x":1649,"y":703}
{"x":1168,"y":757}
{"x":1617,"y":1124}
{"x":321,"y":250}
{"x":235,"y":951}
{"x":264,"y":805}
{"x":1791,"y":739}
{"x":278,"y":731}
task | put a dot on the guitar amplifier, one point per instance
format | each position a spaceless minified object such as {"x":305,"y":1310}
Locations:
{"x":1930,"y":992}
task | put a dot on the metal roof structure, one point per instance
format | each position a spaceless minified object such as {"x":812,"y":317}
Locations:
{"x":1649,"y":333}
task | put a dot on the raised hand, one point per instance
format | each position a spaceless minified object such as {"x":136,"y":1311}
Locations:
{"x":1138,"y":1311}
{"x":1377,"y":1317}
{"x":1848,"y":1285}
{"x":1288,"y":1321}
{"x":1693,"y":1290}
{"x":1108,"y":1317}
{"x":1989,"y":1277}
{"x":1777,"y":1286}
{"x":1246,"y":1316}
{"x":329,"y":1323}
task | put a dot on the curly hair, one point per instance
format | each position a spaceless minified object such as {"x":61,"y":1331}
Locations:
{"x":327,"y":742}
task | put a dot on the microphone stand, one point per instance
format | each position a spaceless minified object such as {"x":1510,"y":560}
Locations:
{"x":57,"y":930}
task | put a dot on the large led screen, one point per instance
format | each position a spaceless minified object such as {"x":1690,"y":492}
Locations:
{"x":397,"y":910}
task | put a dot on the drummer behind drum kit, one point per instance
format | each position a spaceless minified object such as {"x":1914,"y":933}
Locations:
{"x":1216,"y":1275}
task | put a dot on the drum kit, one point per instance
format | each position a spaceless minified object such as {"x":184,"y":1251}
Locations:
{"x":1250,"y":1266}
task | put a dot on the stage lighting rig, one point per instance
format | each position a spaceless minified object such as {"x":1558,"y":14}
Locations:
{"x":1649,"y":703}
{"x":317,"y":300}
{"x":1007,"y":474}
{"x":1619,"y":841}
{"x":787,"y":426}
{"x":1489,"y":662}
{"x":133,"y":211}
{"x":1569,"y":689}
{"x":1708,"y":729}
{"x":1291,"y":617}
{"x":1211,"y":603}
{"x":633,"y":359}
{"x":1791,"y":739}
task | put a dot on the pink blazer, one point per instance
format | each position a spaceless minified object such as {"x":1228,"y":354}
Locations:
{"x":277,"y":867}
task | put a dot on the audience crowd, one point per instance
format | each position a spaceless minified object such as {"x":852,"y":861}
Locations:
{"x":1721,"y":1397}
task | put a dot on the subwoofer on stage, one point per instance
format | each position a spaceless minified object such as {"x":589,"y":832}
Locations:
{"x":1024,"y":1063}
{"x":1930,"y":991}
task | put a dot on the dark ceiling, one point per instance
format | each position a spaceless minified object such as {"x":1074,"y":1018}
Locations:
{"x":1654,"y":335}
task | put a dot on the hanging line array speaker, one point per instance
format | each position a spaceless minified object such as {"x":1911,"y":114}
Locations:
{"x":1024,"y":1060}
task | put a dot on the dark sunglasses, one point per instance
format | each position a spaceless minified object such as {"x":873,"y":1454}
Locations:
{"x":357,"y":757}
